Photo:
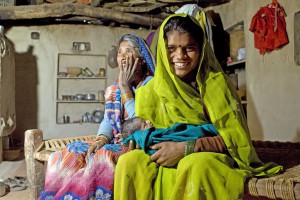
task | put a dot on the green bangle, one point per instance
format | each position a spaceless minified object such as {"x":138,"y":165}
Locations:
{"x":189,"y":147}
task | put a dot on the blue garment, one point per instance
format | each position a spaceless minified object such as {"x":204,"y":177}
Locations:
{"x":106,"y":128}
{"x":177,"y":133}
{"x":112,"y":122}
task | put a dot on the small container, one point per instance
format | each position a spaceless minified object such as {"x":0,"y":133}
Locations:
{"x":101,"y":95}
{"x":66,"y":119}
{"x":79,"y":97}
{"x":97,"y":116}
{"x":88,"y":72}
{"x":89,"y":97}
{"x":82,"y":47}
{"x":86,"y":117}
{"x":102,"y":72}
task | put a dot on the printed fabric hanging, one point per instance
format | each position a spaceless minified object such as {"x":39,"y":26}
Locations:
{"x":269,"y":28}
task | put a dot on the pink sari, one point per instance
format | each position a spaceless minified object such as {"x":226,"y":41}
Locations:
{"x":68,"y":176}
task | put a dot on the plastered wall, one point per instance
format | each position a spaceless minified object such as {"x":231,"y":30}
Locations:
{"x":272,"y":79}
{"x":36,"y":69}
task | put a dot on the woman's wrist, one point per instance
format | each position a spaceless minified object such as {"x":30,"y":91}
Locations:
{"x":189,"y":147}
{"x":126,"y":96}
{"x":125,"y":88}
{"x":210,"y":144}
{"x":99,"y":143}
{"x":103,"y":139}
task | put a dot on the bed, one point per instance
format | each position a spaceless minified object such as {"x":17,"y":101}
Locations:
{"x":283,"y":186}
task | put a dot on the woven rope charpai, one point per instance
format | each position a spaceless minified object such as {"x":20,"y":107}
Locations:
{"x":270,"y":189}
{"x":287,"y":189}
{"x":284,"y":184}
{"x":287,"y":182}
{"x":59,"y":144}
{"x":252,"y":187}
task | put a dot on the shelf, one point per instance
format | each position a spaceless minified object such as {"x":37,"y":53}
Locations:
{"x":79,"y":101}
{"x":70,"y":86}
{"x":84,"y":78}
{"x":81,"y":123}
{"x":236,"y":63}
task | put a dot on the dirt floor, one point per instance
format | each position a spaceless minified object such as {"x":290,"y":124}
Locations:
{"x":10,"y":169}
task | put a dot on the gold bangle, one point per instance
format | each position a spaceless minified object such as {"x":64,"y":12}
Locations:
{"x":97,"y":142}
{"x":126,"y":96}
{"x":102,"y":138}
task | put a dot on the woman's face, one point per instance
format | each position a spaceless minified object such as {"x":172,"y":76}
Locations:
{"x":125,"y":49}
{"x":183,"y":53}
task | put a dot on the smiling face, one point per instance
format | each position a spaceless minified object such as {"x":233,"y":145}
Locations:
{"x":126,"y":50}
{"x":183,"y":53}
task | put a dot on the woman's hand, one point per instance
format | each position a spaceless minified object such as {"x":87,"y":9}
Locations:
{"x":93,"y":149}
{"x":168,"y":153}
{"x":127,"y":72}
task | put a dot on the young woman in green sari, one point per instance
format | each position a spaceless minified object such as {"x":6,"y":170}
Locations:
{"x":190,"y":87}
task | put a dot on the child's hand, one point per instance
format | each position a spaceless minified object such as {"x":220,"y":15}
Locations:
{"x":118,"y":138}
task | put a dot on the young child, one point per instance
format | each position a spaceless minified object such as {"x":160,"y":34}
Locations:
{"x":130,"y":126}
{"x":144,"y":134}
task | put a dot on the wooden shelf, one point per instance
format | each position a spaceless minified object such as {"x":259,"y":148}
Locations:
{"x":237,"y":63}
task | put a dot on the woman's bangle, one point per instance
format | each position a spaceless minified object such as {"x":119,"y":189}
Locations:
{"x":189,"y":147}
{"x":126,"y":96}
{"x":97,"y":142}
{"x":102,"y":138}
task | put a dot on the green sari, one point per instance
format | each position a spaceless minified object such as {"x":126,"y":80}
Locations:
{"x":166,"y":100}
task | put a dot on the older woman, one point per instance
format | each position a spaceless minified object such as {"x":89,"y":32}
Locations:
{"x":190,"y":87}
{"x":85,"y":170}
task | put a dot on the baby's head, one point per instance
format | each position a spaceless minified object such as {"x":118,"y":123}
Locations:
{"x":134,"y":124}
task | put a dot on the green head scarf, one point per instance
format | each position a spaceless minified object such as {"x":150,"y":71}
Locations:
{"x":167,"y":100}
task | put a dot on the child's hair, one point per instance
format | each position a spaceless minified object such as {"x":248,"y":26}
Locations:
{"x":129,"y":126}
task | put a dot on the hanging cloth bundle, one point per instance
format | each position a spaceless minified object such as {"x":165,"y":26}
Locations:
{"x":269,"y":27}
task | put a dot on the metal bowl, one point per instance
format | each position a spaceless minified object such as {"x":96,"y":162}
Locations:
{"x":79,"y":97}
{"x":89,"y":97}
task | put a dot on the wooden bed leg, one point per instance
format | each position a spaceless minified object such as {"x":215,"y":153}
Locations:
{"x":35,"y":168}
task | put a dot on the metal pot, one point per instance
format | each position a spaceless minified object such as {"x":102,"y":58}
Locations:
{"x":86,"y":117}
{"x":79,"y":97}
{"x":97,"y":116}
{"x":89,"y":97}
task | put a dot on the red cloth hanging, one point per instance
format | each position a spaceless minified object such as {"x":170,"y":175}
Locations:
{"x":269,"y":28}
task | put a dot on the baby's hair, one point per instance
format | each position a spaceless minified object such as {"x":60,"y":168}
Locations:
{"x":129,"y":126}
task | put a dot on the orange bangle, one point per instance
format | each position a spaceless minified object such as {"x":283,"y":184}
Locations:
{"x":103,"y":139}
{"x":126,"y":96}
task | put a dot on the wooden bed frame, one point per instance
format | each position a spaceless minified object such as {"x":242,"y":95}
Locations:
{"x":284,"y":186}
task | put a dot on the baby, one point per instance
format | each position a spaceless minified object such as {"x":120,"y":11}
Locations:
{"x":132,"y":125}
{"x":144,"y":134}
